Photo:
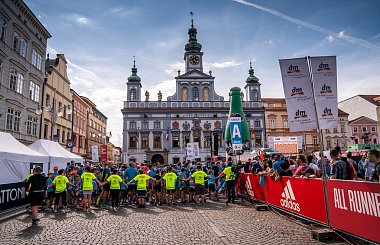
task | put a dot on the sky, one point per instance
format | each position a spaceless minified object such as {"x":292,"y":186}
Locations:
{"x":100,"y":37}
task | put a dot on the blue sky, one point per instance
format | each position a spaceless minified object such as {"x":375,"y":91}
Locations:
{"x":100,"y":37}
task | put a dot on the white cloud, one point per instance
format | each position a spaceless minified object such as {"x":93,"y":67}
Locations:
{"x":225,"y":64}
{"x":121,"y":11}
{"x":173,"y":68}
{"x":330,"y":38}
{"x":299,"y":22}
{"x":270,"y":42}
{"x":78,"y":20}
{"x":167,"y":88}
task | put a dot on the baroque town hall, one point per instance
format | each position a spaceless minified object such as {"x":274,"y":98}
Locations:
{"x":159,"y":130}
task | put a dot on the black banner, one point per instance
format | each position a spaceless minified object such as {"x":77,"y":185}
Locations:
{"x":12,"y":195}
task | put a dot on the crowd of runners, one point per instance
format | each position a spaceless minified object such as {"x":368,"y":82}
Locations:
{"x":111,"y":186}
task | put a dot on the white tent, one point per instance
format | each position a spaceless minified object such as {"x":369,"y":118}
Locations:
{"x":58,"y":156}
{"x":15,"y":159}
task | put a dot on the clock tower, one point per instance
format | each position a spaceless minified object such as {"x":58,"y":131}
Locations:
{"x":193,"y":54}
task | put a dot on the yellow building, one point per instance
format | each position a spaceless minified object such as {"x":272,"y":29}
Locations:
{"x":56,"y":109}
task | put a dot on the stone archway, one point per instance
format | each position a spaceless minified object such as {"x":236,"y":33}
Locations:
{"x":158,"y":158}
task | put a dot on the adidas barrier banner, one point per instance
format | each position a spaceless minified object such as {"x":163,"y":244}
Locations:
{"x":298,"y":195}
{"x":298,"y":94}
{"x":12,"y":195}
{"x":250,"y":184}
{"x":354,"y":207}
{"x":324,"y":74}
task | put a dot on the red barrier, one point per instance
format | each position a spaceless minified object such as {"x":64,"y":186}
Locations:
{"x":301,"y":196}
{"x":354,"y":207}
{"x":251,"y":183}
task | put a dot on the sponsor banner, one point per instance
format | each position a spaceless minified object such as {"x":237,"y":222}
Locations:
{"x":236,"y":133}
{"x":103,"y":153}
{"x":250,"y":184}
{"x":12,"y":195}
{"x":354,"y":207}
{"x":325,"y":90}
{"x":298,"y":195}
{"x":192,"y":151}
{"x":298,"y":94}
{"x":95,"y":153}
{"x":286,"y":145}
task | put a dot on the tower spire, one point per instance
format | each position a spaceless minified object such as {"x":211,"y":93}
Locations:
{"x":192,"y":20}
{"x":193,"y":45}
{"x":134,"y":62}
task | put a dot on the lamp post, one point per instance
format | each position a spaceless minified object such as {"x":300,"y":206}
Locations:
{"x":55,"y":113}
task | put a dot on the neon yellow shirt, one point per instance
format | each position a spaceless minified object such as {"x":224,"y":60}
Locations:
{"x":141,"y":181}
{"x":199,"y":177}
{"x":27,"y":179}
{"x":60,"y":183}
{"x":87,"y":181}
{"x":115,"y":181}
{"x":170,"y":180}
{"x":230,"y":175}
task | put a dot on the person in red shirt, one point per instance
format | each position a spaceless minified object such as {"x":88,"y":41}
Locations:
{"x":302,"y":165}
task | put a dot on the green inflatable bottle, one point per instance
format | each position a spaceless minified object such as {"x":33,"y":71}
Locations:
{"x":236,"y":110}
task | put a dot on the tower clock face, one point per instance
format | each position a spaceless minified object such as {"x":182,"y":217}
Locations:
{"x":194,"y":60}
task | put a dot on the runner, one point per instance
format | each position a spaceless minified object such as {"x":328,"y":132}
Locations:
{"x":141,"y":179}
{"x":230,"y":182}
{"x":199,"y":179}
{"x":170,"y":178}
{"x":50,"y":191}
{"x":60,"y":182}
{"x":87,"y":187}
{"x":157,"y":188}
{"x":183,"y":184}
{"x":211,"y":185}
{"x":106,"y":188}
{"x":130,"y":173}
{"x":36,"y":193}
{"x":115,"y":182}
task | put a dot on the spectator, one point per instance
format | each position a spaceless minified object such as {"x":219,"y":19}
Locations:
{"x":374,"y":157}
{"x":352,"y":161}
{"x":368,"y":166}
{"x":314,"y":166}
{"x":361,"y":167}
{"x":338,"y":167}
{"x":309,"y":173}
{"x":302,"y":165}
{"x":285,"y":171}
{"x":276,"y":164}
{"x":247,"y":166}
{"x":326,"y":162}
{"x":256,"y":167}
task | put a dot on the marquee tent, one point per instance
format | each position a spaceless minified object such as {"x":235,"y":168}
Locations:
{"x":58,"y":156}
{"x":15,"y":159}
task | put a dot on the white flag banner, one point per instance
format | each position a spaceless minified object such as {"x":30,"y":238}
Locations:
{"x":298,"y":95}
{"x":196,"y":149}
{"x":95,"y":153}
{"x":325,"y":90}
{"x":190,"y":151}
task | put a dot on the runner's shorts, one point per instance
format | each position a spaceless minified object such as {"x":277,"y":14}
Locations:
{"x":199,"y":189}
{"x":141,"y":193}
{"x":36,"y":198}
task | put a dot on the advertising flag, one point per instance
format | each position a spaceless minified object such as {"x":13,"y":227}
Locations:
{"x":95,"y":153}
{"x":324,"y":75}
{"x":298,"y":94}
{"x":103,"y":153}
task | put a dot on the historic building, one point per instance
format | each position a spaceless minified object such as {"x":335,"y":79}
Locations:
{"x":23,"y":41}
{"x":364,"y":130}
{"x":159,"y":130}
{"x":79,"y":135}
{"x":338,"y":136}
{"x":362,"y":105}
{"x":56,"y":106}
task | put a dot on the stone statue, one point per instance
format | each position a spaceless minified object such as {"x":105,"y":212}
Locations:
{"x":186,"y":126}
{"x":159,"y":95}
{"x":147,"y":96}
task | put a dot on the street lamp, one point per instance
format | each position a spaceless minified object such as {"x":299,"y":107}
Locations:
{"x":54,"y":114}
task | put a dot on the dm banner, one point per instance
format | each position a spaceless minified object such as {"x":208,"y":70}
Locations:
{"x":324,"y":77}
{"x":298,"y":94}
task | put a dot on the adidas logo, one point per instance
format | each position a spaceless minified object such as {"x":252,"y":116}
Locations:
{"x":248,"y":186}
{"x":288,"y":198}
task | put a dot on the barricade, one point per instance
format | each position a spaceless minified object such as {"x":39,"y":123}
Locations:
{"x":353,"y":206}
{"x":12,"y":195}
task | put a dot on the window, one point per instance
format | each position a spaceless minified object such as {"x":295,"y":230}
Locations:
{"x":16,"y":81}
{"x":328,"y":143}
{"x":63,"y":136}
{"x":46,"y":130}
{"x":17,"y":118}
{"x":157,"y":141}
{"x":175,"y":141}
{"x":355,"y":129}
{"x":272,"y":122}
{"x":327,"y":131}
{"x":34,"y":126}
{"x":335,"y":130}
{"x":90,"y":122}
{"x":342,"y":128}
{"x":32,"y":90}
{"x":254,"y":95}
{"x":157,"y":125}
{"x":10,"y":115}
{"x":285,"y":123}
{"x":364,"y":129}
{"x":3,"y":25}
{"x":13,"y":80}
{"x":19,"y":44}
{"x":185,"y":94}
{"x":144,"y":125}
{"x":205,"y":94}
{"x":144,"y":141}
{"x":36,"y":59}
{"x":37,"y":93}
{"x":29,"y":122}
{"x":373,"y":129}
{"x":64,"y":112}
{"x":374,"y":140}
{"x":132,"y":125}
{"x":133,"y":94}
{"x":132,"y":141}
{"x":195,"y":93}
{"x":315,"y":140}
{"x":257,"y":124}
{"x":20,"y":83}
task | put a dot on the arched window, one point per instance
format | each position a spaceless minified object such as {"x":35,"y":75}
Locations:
{"x":254,"y":95}
{"x":133,"y":94}
{"x":19,"y":44}
{"x":2,"y":28}
{"x":185,"y":94}
{"x":205,"y":94}
{"x":195,"y":93}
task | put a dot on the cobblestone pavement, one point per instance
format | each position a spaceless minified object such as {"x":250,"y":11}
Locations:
{"x":211,"y":223}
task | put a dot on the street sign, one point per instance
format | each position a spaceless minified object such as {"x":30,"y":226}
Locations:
{"x":236,"y":133}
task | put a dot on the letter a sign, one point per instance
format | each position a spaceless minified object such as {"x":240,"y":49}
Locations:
{"x":236,"y":133}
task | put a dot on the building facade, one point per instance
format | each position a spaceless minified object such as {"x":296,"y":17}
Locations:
{"x":79,"y":135}
{"x":362,"y":105}
{"x":364,"y":130}
{"x":159,"y":130}
{"x":23,"y":41}
{"x":56,"y":106}
{"x":339,"y":136}
{"x":276,"y":124}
